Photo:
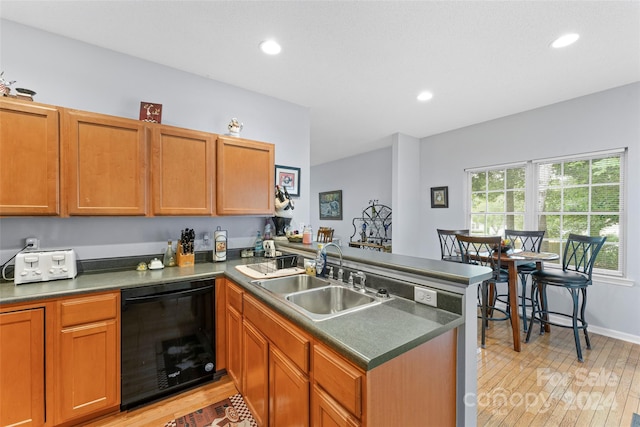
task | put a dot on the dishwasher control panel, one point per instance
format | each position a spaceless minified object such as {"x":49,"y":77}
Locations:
{"x":42,"y":266}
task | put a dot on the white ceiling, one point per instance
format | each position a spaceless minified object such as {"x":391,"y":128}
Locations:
{"x":359,"y":65}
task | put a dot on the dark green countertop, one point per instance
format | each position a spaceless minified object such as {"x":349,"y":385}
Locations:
{"x":368,"y":337}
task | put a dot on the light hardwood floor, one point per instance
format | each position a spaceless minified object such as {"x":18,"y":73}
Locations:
{"x":543,"y":385}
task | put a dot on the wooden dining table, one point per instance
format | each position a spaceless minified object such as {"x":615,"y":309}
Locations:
{"x":511,"y":261}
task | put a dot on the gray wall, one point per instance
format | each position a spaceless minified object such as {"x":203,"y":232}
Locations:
{"x":361,"y":178}
{"x":73,"y":74}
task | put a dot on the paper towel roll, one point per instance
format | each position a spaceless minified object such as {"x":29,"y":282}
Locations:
{"x":220,"y":242}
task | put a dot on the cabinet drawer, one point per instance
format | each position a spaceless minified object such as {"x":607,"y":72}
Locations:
{"x":338,"y":378}
{"x":89,"y":309}
{"x":234,"y":296}
{"x":287,"y":339}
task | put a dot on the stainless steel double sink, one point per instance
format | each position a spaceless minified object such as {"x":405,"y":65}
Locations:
{"x":319,"y":299}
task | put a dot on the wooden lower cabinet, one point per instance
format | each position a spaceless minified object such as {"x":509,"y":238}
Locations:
{"x":291,"y":379}
{"x":256,"y":372}
{"x":233,"y":327}
{"x":87,"y":377}
{"x":22,"y":368}
{"x":326,"y":412}
{"x":288,"y":392}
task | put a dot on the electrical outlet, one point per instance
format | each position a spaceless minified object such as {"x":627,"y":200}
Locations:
{"x":32,"y":243}
{"x":425,"y":296}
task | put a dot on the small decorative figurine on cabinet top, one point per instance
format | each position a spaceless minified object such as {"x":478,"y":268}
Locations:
{"x":150,"y":112}
{"x":234,"y":127}
{"x":4,"y":85}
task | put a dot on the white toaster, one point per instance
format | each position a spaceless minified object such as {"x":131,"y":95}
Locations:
{"x":42,"y":266}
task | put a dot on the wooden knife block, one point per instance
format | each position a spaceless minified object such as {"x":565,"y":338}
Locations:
{"x":184,"y":260}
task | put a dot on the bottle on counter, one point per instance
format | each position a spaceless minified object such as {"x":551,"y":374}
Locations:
{"x":169,"y":259}
{"x":267,"y":230}
{"x":307,"y":235}
{"x":321,"y":261}
{"x":257,"y":246}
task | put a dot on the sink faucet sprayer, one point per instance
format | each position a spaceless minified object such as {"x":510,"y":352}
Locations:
{"x":324,"y":251}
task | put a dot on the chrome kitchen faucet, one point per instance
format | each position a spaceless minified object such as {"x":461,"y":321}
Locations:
{"x":324,"y":250}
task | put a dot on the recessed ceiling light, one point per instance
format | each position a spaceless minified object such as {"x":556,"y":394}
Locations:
{"x":270,"y":47}
{"x":425,"y":96}
{"x":565,"y":40}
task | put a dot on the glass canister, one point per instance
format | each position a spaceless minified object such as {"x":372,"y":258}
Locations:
{"x":307,"y":235}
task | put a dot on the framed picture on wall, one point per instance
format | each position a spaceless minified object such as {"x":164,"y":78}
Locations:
{"x":439,"y":197}
{"x":289,"y":178}
{"x":331,"y":205}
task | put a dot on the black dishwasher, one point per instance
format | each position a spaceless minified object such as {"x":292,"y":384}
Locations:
{"x":167,"y":339}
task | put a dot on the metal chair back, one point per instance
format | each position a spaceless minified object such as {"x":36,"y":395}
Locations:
{"x":529,"y":241}
{"x":580,"y":253}
{"x":481,"y":250}
{"x":449,"y":248}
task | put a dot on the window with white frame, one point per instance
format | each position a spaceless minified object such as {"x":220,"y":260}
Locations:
{"x":497,"y":200}
{"x":582,"y":194}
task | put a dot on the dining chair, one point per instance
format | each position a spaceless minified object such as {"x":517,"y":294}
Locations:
{"x":325,"y":235}
{"x":449,"y":249}
{"x":528,"y":241}
{"x":580,"y":253}
{"x":486,"y":251}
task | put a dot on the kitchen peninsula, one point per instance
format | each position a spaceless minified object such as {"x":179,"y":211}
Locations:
{"x":368,"y":344}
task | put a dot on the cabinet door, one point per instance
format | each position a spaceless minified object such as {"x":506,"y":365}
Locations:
{"x":234,"y":347}
{"x":288,"y":392}
{"x":29,"y":159}
{"x":105,"y":160}
{"x":88,"y":374}
{"x":87,"y":378}
{"x":182,"y":164}
{"x":326,"y":412}
{"x":22,"y":382}
{"x":255,"y":372}
{"x":245,"y":181}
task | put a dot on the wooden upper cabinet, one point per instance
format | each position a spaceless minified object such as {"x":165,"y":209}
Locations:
{"x":105,"y":160}
{"x":182,"y":163}
{"x":29,"y":150}
{"x":244,"y":177}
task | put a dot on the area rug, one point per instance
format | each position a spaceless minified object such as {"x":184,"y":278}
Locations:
{"x":635,"y":420}
{"x":231,"y":412}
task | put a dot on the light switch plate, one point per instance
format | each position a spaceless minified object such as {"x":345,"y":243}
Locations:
{"x":425,"y":296}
